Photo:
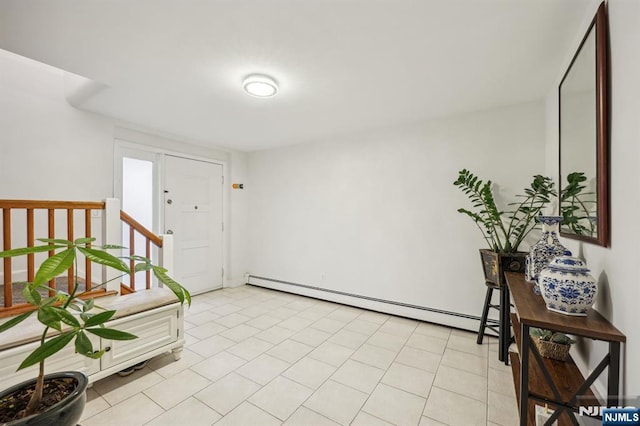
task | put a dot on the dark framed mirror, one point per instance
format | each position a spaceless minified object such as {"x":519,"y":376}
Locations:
{"x":584,"y":138}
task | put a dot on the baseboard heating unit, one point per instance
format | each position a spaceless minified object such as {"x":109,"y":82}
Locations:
{"x":422,"y":313}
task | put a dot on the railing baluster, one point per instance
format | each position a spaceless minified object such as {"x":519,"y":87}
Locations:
{"x":6,"y":245}
{"x":150,"y":238}
{"x":53,"y":208}
{"x":31,"y":261}
{"x":87,"y":262}
{"x":51,"y":227}
{"x":71,"y":274}
{"x":8,"y":307}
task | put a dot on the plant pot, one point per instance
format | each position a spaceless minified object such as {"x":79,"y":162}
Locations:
{"x":552,"y":350}
{"x":65,"y":413}
{"x":495,"y":264}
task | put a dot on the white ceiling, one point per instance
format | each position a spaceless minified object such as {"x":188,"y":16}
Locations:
{"x":343,"y":65}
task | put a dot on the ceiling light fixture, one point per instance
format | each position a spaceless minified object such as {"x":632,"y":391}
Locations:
{"x":260,"y":86}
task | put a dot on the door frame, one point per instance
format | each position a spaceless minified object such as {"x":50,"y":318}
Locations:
{"x":122,"y":146}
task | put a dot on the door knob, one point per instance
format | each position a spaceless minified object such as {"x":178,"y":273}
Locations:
{"x":169,"y":201}
{"x":169,"y":231}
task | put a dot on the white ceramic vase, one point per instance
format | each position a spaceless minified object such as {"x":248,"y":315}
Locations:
{"x":567,"y":287}
{"x":547,"y":247}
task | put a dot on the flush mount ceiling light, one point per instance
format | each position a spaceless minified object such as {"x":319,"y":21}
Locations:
{"x":260,"y":86}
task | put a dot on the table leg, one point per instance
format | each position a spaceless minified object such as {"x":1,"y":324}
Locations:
{"x":613,"y":381}
{"x":524,"y":375}
{"x":505,"y":325}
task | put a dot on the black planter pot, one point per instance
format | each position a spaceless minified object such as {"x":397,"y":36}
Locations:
{"x":496,"y":264}
{"x":65,"y":413}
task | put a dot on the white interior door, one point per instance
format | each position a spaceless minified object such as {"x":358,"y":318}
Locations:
{"x":193,"y":214}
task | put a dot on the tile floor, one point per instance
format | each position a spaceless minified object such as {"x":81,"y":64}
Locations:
{"x":260,"y":357}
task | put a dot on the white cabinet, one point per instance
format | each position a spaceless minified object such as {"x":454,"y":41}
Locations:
{"x":159,"y":330}
{"x":154,"y":331}
{"x":64,"y":360}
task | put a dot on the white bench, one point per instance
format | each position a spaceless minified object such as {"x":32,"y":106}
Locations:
{"x":155,"y":316}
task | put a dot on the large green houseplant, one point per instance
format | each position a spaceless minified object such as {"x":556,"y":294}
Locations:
{"x":73,"y":317}
{"x":503,"y":230}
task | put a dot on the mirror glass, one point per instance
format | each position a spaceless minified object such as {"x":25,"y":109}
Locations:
{"x":583,"y":140}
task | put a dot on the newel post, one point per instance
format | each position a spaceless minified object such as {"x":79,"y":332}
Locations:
{"x":166,"y":253}
{"x":111,"y":234}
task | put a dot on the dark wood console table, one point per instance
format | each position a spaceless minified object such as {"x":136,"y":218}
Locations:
{"x":559,"y":385}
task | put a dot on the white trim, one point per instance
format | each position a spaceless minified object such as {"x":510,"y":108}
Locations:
{"x":168,"y":255}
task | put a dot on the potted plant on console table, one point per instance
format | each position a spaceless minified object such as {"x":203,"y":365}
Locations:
{"x":503,"y":231}
{"x":59,"y":398}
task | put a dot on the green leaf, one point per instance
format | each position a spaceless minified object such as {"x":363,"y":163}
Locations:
{"x":49,"y":301}
{"x":47,"y":349}
{"x":110,"y":333}
{"x":75,"y":307}
{"x":48,"y":316}
{"x":31,"y":295}
{"x":65,"y":243}
{"x":54,"y":266}
{"x":181,"y":293}
{"x":84,"y":240}
{"x":88,"y":305}
{"x":96,"y":354}
{"x":83,"y":344}
{"x":66,"y":317}
{"x":112,"y":247}
{"x":15,"y":321}
{"x":28,"y":250}
{"x":143,"y":267}
{"x":99,"y":319}
{"x":103,"y":258}
{"x":160,"y":269}
{"x":138,"y":258}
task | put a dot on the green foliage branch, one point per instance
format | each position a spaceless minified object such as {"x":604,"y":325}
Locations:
{"x":504,"y":231}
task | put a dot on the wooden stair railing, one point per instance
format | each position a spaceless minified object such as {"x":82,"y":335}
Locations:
{"x":150,"y":238}
{"x":37,"y":214}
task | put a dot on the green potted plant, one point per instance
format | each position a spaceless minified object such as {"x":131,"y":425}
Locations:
{"x":551,"y":344}
{"x":73,"y":319}
{"x":503,"y":230}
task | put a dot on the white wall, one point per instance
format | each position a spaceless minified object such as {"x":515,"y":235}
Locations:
{"x":51,"y":150}
{"x":44,"y":140}
{"x":375,"y":214}
{"x":615,"y":267}
{"x":238,"y":220}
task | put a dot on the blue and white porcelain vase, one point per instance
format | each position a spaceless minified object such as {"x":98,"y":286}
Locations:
{"x":567,"y":287}
{"x":547,"y":247}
